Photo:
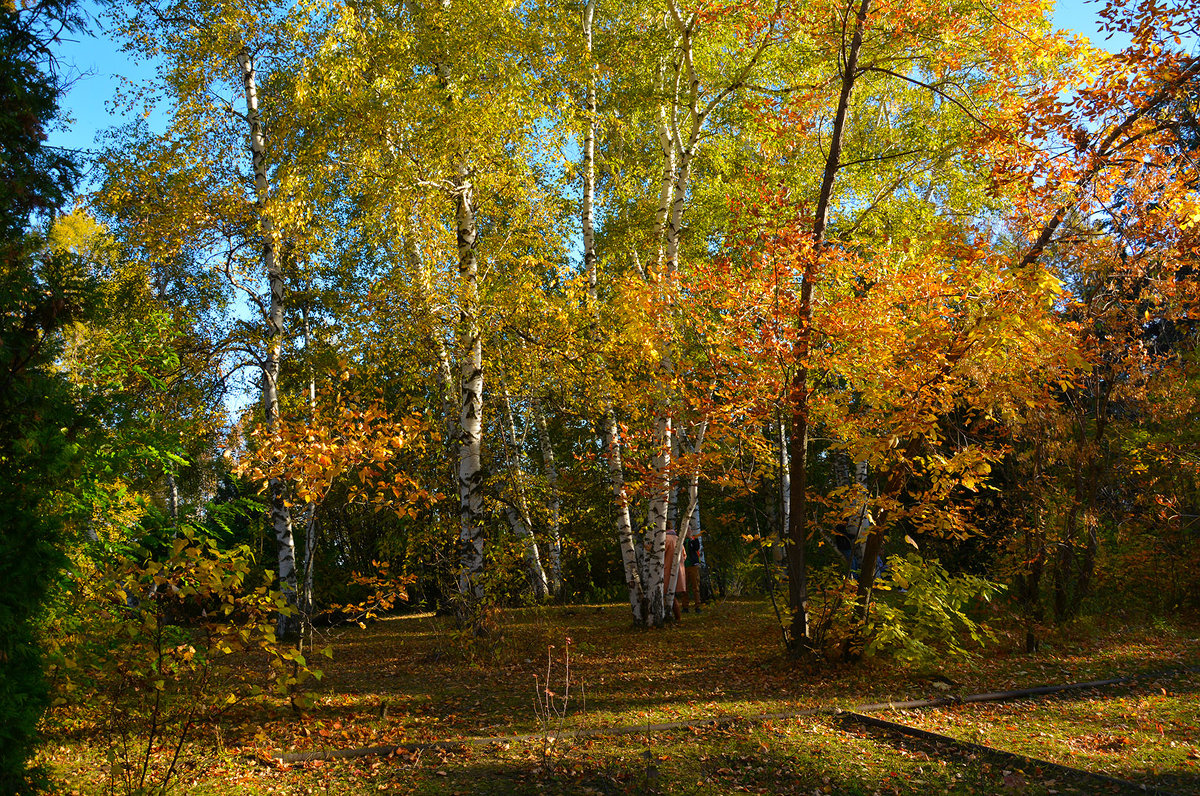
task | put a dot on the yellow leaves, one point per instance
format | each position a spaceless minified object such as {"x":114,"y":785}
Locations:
{"x":1188,"y":212}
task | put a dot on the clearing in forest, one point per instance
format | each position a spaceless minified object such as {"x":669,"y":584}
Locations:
{"x":412,"y":680}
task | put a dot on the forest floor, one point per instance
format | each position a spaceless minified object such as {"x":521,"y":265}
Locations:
{"x":413,"y":679}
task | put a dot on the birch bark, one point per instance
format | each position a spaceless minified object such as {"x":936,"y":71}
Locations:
{"x":609,"y":429}
{"x":281,"y":521}
{"x":656,"y":528}
{"x":517,"y":511}
{"x":863,"y":521}
{"x":691,"y":519}
{"x":172,"y":499}
{"x":312,"y":381}
{"x":469,"y":437}
{"x":555,"y":502}
{"x":307,"y":591}
{"x":681,"y":122}
{"x":470,"y":469}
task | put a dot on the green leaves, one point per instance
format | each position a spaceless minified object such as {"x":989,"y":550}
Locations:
{"x":149,"y":645}
{"x":924,"y":614}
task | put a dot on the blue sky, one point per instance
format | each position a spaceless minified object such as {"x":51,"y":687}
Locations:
{"x":97,"y":66}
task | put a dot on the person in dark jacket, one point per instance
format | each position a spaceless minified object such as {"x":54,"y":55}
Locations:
{"x":691,"y":566}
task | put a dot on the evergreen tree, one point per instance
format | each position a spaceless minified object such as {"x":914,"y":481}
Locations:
{"x":39,"y":294}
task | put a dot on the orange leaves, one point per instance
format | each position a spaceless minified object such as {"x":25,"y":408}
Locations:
{"x":361,"y":445}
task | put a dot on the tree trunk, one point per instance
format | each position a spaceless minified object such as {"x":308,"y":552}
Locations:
{"x":656,"y":528}
{"x":281,"y":521}
{"x":312,"y":381}
{"x":798,"y":641}
{"x":634,"y":581}
{"x":172,"y":499}
{"x":555,"y":503}
{"x":691,"y":519}
{"x":897,"y":479}
{"x":610,"y":431}
{"x":307,"y":592}
{"x":863,"y":515}
{"x":666,"y":143}
{"x":470,"y":424}
{"x":587,"y":212}
{"x":797,"y":538}
{"x":518,"y":510}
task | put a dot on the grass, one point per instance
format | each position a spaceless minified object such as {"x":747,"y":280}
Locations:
{"x":1148,"y":731}
{"x":413,"y":679}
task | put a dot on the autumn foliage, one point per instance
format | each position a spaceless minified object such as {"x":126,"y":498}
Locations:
{"x":466,"y":306}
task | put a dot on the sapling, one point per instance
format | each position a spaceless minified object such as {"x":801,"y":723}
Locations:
{"x":551,"y":708}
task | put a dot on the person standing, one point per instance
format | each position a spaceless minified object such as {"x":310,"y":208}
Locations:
{"x":691,"y":568}
{"x":679,"y":598}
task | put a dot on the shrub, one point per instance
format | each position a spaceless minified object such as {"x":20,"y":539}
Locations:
{"x":151,"y":648}
{"x":921,"y":617}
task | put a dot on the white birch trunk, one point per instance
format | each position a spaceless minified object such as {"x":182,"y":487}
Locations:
{"x":656,"y":530}
{"x":666,"y":143}
{"x":470,"y":424}
{"x":281,"y":521}
{"x":518,"y":514}
{"x":468,"y":435}
{"x":307,"y":592}
{"x":668,"y":222}
{"x":172,"y":499}
{"x":675,"y":223}
{"x":312,"y":381}
{"x":610,"y":430}
{"x":691,"y":520}
{"x":555,"y":502}
{"x":659,"y":509}
{"x":863,"y":520}
{"x":587,"y":212}
{"x":539,"y":586}
{"x":634,"y":579}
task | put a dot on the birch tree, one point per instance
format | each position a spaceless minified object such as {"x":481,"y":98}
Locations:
{"x":701,"y":65}
{"x":517,"y":506}
{"x":209,"y":52}
{"x":447,"y":187}
{"x":281,"y":519}
{"x":609,"y":427}
{"x":550,"y":466}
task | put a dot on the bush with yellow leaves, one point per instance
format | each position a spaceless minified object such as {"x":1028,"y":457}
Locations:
{"x":152,"y":646}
